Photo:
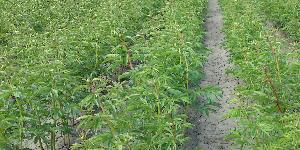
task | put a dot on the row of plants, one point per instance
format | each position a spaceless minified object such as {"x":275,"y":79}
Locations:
{"x":121,"y":70}
{"x":268,"y":99}
{"x":286,"y":14}
{"x":48,"y":48}
{"x":149,"y":110}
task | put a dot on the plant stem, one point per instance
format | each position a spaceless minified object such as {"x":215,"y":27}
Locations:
{"x":41,"y":144}
{"x":21,"y":124}
{"x":128,"y":53}
{"x":52,"y":140}
{"x":274,"y":90}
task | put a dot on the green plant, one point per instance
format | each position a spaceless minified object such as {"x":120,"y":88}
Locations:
{"x":47,"y":48}
{"x":285,"y":14}
{"x":269,"y":98}
{"x":122,"y":68}
{"x":145,"y":107}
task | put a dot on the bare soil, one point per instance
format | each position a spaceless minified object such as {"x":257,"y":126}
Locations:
{"x":209,"y":131}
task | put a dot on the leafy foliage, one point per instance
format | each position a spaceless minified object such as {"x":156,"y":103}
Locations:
{"x":285,"y":13}
{"x":147,"y":115}
{"x":269,"y":97}
{"x":123,"y":68}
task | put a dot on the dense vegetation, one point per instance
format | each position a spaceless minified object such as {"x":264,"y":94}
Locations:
{"x":285,"y":14}
{"x":121,"y":68}
{"x":122,"y":74}
{"x":269,"y":97}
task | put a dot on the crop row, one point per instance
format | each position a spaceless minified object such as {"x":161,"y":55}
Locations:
{"x":119,"y":71}
{"x":285,"y":14}
{"x":269,"y":96}
{"x":48,"y":49}
{"x":146,"y":115}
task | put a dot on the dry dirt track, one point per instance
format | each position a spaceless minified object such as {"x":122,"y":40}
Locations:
{"x":209,"y":131}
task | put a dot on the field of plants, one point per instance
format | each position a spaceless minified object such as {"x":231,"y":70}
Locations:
{"x":285,"y":14}
{"x":124,"y":74}
{"x":269,"y":99}
{"x":114,"y":74}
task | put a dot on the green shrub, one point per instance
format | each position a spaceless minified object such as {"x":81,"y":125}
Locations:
{"x":122,"y":68}
{"x":269,"y":97}
{"x":285,"y":14}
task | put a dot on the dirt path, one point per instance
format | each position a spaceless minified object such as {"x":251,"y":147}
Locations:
{"x":209,"y":131}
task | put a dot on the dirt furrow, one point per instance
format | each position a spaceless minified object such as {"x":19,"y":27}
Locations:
{"x":209,"y":131}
